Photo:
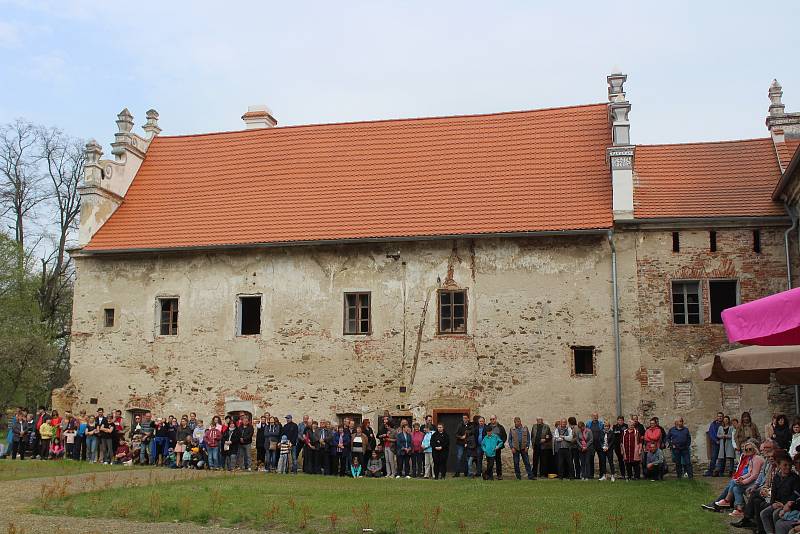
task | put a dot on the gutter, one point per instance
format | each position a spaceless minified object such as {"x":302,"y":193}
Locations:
{"x":789,"y":285}
{"x":617,"y":344}
{"x":319,"y":242}
{"x":659,"y":223}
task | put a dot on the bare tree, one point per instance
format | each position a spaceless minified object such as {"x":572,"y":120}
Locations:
{"x":20,"y":190}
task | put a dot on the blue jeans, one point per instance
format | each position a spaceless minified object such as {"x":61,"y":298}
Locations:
{"x":213,"y":457}
{"x":738,"y":493}
{"x":462,"y":461}
{"x":91,"y":448}
{"x":158,"y":446}
{"x":244,"y":456}
{"x":524,"y":455}
{"x":712,"y":463}
{"x":683,"y":462}
{"x":295,"y":453}
{"x":273,"y":458}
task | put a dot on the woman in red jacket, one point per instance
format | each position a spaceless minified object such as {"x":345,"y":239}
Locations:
{"x":632,"y":451}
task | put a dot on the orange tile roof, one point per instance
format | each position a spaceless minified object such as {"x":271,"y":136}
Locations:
{"x":728,"y":178}
{"x":510,"y":172}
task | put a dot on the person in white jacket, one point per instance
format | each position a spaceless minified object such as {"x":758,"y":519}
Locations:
{"x":562,"y":439}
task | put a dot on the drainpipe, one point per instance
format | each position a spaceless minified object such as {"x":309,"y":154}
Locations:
{"x":617,"y":350}
{"x":789,"y":285}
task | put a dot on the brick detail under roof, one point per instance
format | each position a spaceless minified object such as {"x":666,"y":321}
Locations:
{"x":728,"y":178}
{"x":508,"y":172}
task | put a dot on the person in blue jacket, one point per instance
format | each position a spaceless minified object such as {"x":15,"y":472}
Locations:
{"x":490,"y":445}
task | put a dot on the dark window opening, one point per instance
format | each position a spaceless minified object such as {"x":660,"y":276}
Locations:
{"x":108,"y":317}
{"x":452,"y":312}
{"x":676,"y":242}
{"x":169,"y":317}
{"x":92,"y":400}
{"x":249,"y":315}
{"x":722,"y":294}
{"x":712,"y":241}
{"x":686,"y":302}
{"x":357,"y":312}
{"x":757,"y":241}
{"x":583,"y":359}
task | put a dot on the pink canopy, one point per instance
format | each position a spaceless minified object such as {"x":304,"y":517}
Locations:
{"x":772,"y":321}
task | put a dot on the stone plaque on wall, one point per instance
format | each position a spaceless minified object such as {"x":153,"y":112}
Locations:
{"x":655,"y":378}
{"x":683,"y":395}
{"x":731,"y":397}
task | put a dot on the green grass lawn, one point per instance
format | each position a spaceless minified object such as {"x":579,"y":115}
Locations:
{"x":328,"y":504}
{"x":20,"y":469}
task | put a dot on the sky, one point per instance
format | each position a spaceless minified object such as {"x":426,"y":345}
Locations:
{"x":696,"y":70}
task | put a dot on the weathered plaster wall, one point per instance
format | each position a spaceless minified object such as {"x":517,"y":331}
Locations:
{"x":530,"y":300}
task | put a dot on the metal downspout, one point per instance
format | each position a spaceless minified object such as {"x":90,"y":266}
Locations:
{"x":789,"y":285}
{"x":617,"y":344}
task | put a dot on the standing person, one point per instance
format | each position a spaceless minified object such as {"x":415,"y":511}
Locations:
{"x":212,"y":438}
{"x":653,"y":462}
{"x":417,"y":454}
{"x":542,"y":450}
{"x":261,"y":450}
{"x":106,"y":427}
{"x":461,"y":446}
{"x":192,"y":421}
{"x":586,"y":450}
{"x":619,"y":429}
{"x":179,"y":447}
{"x":680,"y":443}
{"x":632,"y":452}
{"x":284,"y":454}
{"x":595,"y":426}
{"x":358,"y":445}
{"x":794,"y":446}
{"x":480,"y":433}
{"x":726,"y":453}
{"x":47,"y":432}
{"x":403,"y":450}
{"x":653,"y":434}
{"x":713,"y":444}
{"x":199,"y":433}
{"x":292,"y":433}
{"x":746,"y":431}
{"x":92,"y":438}
{"x":333,"y":450}
{"x":148,"y":432}
{"x":574,"y":452}
{"x":490,"y":445}
{"x":389,"y":439}
{"x":272,"y":438}
{"x":230,"y":446}
{"x":80,"y":437}
{"x":562,"y":447}
{"x":17,"y":429}
{"x":427,"y":450}
{"x":499,"y":432}
{"x":519,"y":440}
{"x":246,"y":432}
{"x":369,"y":433}
{"x":607,"y":445}
{"x":781,"y":432}
{"x":301,"y":432}
{"x":343,"y":449}
{"x":440,"y":444}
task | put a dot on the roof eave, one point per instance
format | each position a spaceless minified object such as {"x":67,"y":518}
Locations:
{"x":722,"y":221}
{"x":792,"y":169}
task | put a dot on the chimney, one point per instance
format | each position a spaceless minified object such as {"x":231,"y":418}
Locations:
{"x":258,"y":116}
{"x":620,"y":154}
{"x":779,"y":122}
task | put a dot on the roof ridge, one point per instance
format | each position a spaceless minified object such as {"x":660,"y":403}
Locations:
{"x":376,"y":121}
{"x":695,"y":143}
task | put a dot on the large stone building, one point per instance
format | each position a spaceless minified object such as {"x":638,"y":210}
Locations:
{"x":532,"y":263}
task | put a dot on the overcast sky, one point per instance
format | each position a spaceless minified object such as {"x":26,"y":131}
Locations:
{"x":696,"y":70}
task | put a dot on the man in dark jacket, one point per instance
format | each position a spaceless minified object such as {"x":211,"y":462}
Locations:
{"x":499,"y":431}
{"x":245,"y":441}
{"x":713,"y":443}
{"x":595,"y":425}
{"x":440,"y":444}
{"x":291,"y":432}
{"x":462,"y":458}
{"x":542,"y":450}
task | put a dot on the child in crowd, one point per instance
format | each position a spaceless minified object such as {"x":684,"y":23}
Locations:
{"x":56,"y":449}
{"x":171,"y":460}
{"x":355,"y":469}
{"x":285,"y":450}
{"x":374,"y":466}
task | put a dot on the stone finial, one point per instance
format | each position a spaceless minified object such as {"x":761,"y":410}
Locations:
{"x":259,"y":116}
{"x":616,"y":90}
{"x":125,"y":121}
{"x":776,"y":107}
{"x":93,"y":152}
{"x":151,"y":126}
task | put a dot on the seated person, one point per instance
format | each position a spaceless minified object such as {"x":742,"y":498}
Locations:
{"x":653,"y":462}
{"x":374,"y":466}
{"x":123,"y":453}
{"x":56,"y":449}
{"x":780,"y":516}
{"x":355,"y":469}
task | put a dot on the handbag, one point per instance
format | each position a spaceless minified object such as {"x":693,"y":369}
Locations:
{"x":226,"y":446}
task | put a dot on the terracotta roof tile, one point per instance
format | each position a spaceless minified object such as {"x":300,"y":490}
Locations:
{"x":500,"y":173}
{"x":728,"y":178}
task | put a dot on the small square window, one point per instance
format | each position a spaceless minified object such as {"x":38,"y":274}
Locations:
{"x":168,"y":321}
{"x":452,"y":312}
{"x":249,"y":315}
{"x":357,"y":313}
{"x":108,"y":317}
{"x":686,"y":302}
{"x":583,"y":360}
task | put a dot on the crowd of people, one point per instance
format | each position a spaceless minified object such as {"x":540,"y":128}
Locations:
{"x":397,"y":448}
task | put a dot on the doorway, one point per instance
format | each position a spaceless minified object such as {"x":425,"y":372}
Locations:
{"x":451,"y":419}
